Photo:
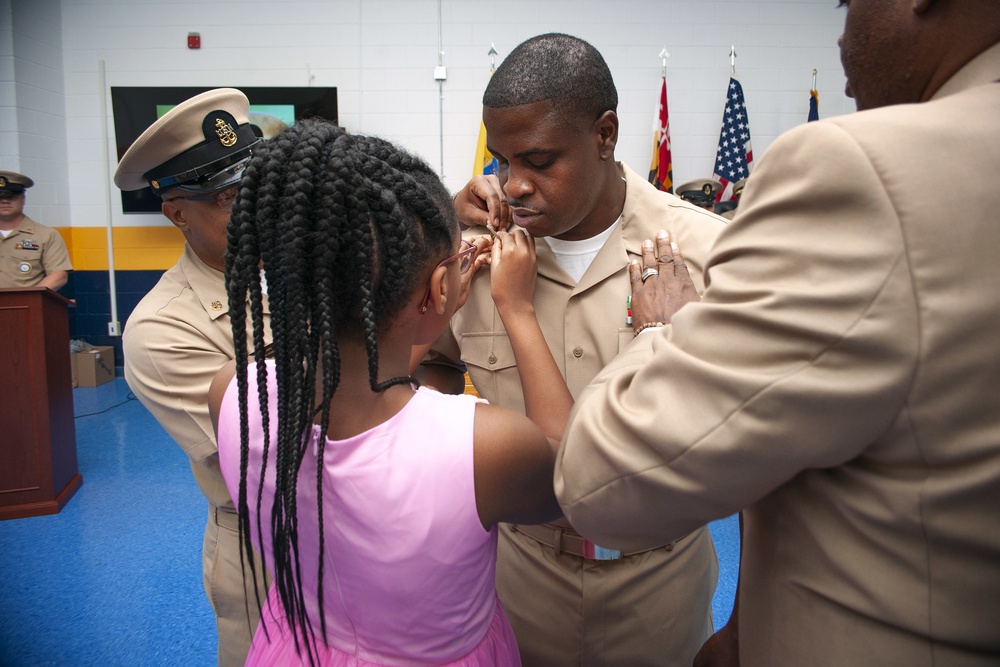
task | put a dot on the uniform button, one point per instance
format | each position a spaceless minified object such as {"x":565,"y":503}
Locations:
{"x":493,"y":359}
{"x":578,"y":352}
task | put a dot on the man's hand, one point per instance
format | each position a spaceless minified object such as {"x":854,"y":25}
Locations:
{"x":661,"y":284}
{"x":483,"y":203}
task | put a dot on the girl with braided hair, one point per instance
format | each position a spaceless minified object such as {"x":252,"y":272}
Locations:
{"x":372,"y":501}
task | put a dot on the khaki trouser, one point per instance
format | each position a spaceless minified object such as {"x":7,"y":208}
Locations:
{"x":236,"y":610}
{"x":652,"y":608}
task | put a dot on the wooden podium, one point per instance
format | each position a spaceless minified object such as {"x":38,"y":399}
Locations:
{"x":38,"y":473}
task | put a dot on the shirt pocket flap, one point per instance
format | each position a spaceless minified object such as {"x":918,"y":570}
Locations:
{"x":488,"y":350}
{"x":26,"y":254}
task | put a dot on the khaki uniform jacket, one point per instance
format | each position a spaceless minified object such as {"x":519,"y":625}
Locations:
{"x":31,"y":252}
{"x":175,"y":341}
{"x":841,"y":381}
{"x":653,"y":608}
{"x":584,"y":324}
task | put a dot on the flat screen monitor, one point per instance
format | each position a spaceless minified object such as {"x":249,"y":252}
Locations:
{"x":271,"y":109}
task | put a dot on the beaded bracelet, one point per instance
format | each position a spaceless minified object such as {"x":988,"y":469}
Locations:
{"x":649,"y":325}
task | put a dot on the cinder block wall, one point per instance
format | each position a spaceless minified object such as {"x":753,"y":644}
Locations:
{"x":381,"y":55}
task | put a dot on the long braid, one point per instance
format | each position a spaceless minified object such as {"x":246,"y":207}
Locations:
{"x":249,"y":242}
{"x":298,"y":198}
{"x":345,"y":228}
{"x":261,"y":209}
{"x":242,"y":287}
{"x":293,"y":404}
{"x":326,"y":244}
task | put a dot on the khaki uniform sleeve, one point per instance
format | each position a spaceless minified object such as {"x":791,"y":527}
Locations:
{"x":799,"y":355}
{"x":170,"y":364}
{"x":55,"y":256}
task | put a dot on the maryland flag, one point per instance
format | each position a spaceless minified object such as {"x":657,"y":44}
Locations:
{"x":661,"y":169}
{"x":485,"y":162}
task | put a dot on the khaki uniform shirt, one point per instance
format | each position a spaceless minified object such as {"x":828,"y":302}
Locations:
{"x":31,"y":252}
{"x":175,"y":341}
{"x":841,"y":381}
{"x":583,"y":323}
{"x":652,"y":608}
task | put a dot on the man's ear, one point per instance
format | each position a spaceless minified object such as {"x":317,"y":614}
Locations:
{"x":174,"y":214}
{"x":439,"y":290}
{"x":606,"y":129}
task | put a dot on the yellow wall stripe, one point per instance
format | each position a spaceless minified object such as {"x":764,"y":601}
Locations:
{"x":136,"y":248}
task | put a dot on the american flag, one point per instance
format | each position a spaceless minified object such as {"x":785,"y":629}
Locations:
{"x":734,"y":158}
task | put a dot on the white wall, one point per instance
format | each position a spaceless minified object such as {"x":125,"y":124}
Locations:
{"x":10,"y":153}
{"x":33,"y":124}
{"x":381,"y":54}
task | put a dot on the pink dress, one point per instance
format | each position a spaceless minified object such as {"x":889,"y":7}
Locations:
{"x":409,"y":569}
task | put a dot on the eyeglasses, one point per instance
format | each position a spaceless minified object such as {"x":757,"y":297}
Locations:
{"x":464,"y":255}
{"x":224,"y":198}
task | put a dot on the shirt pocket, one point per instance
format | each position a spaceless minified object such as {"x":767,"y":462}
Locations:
{"x":625,"y":336}
{"x":489,"y":360}
{"x":32,"y":259}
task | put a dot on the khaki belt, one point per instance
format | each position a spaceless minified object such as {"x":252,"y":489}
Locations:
{"x":563,"y":541}
{"x":224,"y":519}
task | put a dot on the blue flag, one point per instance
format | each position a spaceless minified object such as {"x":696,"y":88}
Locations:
{"x":813,"y":105}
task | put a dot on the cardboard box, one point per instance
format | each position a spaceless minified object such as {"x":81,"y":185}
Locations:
{"x":94,"y":366}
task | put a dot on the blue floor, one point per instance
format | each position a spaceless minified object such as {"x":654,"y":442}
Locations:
{"x":115,"y":578}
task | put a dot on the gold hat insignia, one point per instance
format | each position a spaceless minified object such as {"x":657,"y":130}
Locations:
{"x":227,"y":136}
{"x":3,"y":182}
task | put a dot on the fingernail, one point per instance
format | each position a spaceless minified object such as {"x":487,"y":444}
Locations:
{"x":647,"y":244}
{"x":662,"y":234}
{"x":673,"y":246}
{"x":634,"y":262}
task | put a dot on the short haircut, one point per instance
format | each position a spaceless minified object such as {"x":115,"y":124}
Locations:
{"x":566,"y":70}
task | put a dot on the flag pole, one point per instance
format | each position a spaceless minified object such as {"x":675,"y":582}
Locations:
{"x":485,"y":163}
{"x":734,"y":156}
{"x":813,"y":101}
{"x":661,"y":166}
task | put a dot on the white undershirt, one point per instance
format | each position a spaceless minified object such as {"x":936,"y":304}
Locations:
{"x":6,"y":232}
{"x":575,"y":257}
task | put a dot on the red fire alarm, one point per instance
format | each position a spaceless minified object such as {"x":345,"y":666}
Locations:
{"x":194,"y":40}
